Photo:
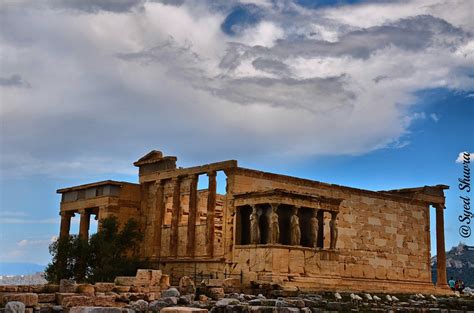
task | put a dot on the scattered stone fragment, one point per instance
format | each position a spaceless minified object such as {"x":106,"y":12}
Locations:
{"x":183,"y":310}
{"x":89,"y":309}
{"x":186,"y":285}
{"x":15,"y":307}
{"x":139,"y":306}
{"x":227,"y":301}
{"x":171,"y":292}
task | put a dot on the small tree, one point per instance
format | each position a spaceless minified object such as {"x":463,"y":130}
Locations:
{"x":113,"y":251}
{"x":107,"y":254}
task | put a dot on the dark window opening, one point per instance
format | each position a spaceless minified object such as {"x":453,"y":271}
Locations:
{"x":284,"y":217}
{"x":243,"y":225}
{"x":263,"y":223}
{"x":305,"y":215}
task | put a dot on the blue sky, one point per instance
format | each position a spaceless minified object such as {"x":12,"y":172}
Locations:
{"x":369,"y":94}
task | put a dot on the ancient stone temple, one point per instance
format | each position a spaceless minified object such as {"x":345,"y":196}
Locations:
{"x":271,"y":227}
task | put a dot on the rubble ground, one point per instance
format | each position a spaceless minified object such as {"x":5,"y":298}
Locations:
{"x":150,"y":291}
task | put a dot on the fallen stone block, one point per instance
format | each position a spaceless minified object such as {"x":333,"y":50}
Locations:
{"x":76,"y":300}
{"x":46,"y":297}
{"x":121,"y":289}
{"x":139,"y":306}
{"x":50,"y":288}
{"x":156,"y":306}
{"x":61,"y":295}
{"x":227,"y":301}
{"x":29,"y":299}
{"x":8,"y":288}
{"x":216,"y":293}
{"x":171,"y":292}
{"x":182,"y":309}
{"x":24,"y":288}
{"x":85,"y":289}
{"x":67,"y":286}
{"x":124,"y":280}
{"x":15,"y":307}
{"x":104,"y":287}
{"x":186,"y":286}
{"x":164,"y":282}
{"x":93,"y":309}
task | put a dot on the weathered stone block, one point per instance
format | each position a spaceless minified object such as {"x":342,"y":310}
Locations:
{"x":104,"y":287}
{"x":29,"y":299}
{"x":85,"y":289}
{"x":179,"y":309}
{"x":8,"y":288}
{"x":93,"y":309}
{"x":46,"y":297}
{"x":165,"y":282}
{"x":296,"y":262}
{"x":67,"y":285}
{"x":124,"y":280}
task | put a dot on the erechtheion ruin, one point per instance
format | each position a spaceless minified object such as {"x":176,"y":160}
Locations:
{"x":271,"y":227}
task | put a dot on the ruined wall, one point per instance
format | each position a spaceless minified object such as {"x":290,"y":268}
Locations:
{"x":380,"y":236}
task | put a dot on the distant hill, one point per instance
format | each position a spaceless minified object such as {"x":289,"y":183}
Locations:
{"x":459,"y":264}
{"x":20,"y":268}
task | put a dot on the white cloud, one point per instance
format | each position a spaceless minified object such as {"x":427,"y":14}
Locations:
{"x":434,"y":117}
{"x":461,"y":158}
{"x":106,"y":87}
{"x":36,"y":242}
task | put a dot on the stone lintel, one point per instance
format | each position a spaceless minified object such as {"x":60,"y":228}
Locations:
{"x":196,"y":170}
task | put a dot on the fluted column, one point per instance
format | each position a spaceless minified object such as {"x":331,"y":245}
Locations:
{"x":65,"y":224}
{"x":84,"y":224}
{"x":440,"y":247}
{"x":176,"y":214}
{"x":159,"y":213}
{"x":192,"y":217}
{"x":211,"y":212}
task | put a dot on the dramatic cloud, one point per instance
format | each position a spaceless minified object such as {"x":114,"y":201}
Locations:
{"x":110,"y":80}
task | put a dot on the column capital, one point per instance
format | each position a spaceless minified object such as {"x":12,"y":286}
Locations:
{"x":439,"y":206}
{"x":66,"y":214}
{"x":274,"y":205}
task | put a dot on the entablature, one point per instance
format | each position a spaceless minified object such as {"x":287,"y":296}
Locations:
{"x":282,"y":196}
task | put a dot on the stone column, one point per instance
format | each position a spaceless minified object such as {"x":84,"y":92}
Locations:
{"x":254,"y":226}
{"x":65,"y":224}
{"x":159,"y":213}
{"x":84,"y":224}
{"x":333,"y":230}
{"x":175,"y":215}
{"x":295,"y":231}
{"x":192,"y":217}
{"x":211,"y":210}
{"x":273,"y":225}
{"x":440,"y":248}
{"x":314,"y":231}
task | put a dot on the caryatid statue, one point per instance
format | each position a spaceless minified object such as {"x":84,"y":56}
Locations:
{"x":274,"y":229}
{"x":333,"y":229}
{"x":295,"y":236}
{"x":314,"y":224}
{"x":254,"y":226}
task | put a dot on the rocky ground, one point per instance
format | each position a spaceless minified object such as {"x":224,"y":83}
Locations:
{"x":149,"y":291}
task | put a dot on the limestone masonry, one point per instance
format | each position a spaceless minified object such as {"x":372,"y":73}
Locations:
{"x":271,"y":228}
